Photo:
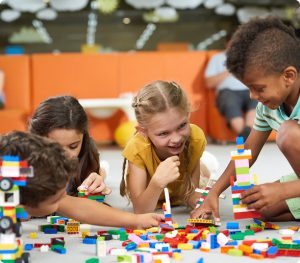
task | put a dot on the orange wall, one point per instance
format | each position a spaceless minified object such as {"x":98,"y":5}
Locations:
{"x":30,"y":80}
{"x":17,"y":92}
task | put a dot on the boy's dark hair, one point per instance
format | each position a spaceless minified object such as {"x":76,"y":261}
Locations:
{"x":266,"y":44}
{"x":65,"y":112}
{"x":52,"y":169}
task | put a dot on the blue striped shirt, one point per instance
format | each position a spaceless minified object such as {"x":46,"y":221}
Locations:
{"x":267,"y":119}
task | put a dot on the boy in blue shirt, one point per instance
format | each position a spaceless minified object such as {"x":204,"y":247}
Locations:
{"x":265,"y":55}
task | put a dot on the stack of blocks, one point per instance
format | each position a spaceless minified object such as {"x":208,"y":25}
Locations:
{"x":97,"y":197}
{"x":167,"y":207}
{"x":241,"y":159}
{"x":13,"y":174}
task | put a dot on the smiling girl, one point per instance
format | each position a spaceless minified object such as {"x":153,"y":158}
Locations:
{"x":63,"y":120}
{"x":165,"y":151}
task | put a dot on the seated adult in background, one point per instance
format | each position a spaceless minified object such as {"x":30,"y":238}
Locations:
{"x":1,"y":89}
{"x":233,"y":100}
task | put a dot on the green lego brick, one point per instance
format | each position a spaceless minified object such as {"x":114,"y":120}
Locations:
{"x":235,"y":252}
{"x":242,"y":170}
{"x":92,"y":260}
{"x":159,"y":237}
{"x":243,"y":183}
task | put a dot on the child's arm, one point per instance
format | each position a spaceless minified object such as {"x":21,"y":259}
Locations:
{"x":193,"y":199}
{"x":262,"y":197}
{"x":91,"y":212}
{"x":213,"y":81}
{"x":255,"y":142}
{"x":144,"y":195}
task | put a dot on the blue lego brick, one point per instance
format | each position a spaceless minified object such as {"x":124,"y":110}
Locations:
{"x":165,"y":249}
{"x":50,"y":231}
{"x":236,"y":201}
{"x":232,"y":243}
{"x":152,"y":244}
{"x":213,"y":241}
{"x":232,"y":225}
{"x":59,"y":249}
{"x":89,"y":241}
{"x":272,"y":250}
{"x":168,"y":216}
{"x":144,"y":237}
{"x":28,"y":247}
{"x":239,"y":140}
{"x":239,"y":188}
{"x":200,"y":260}
{"x":240,"y":150}
{"x":10,"y":158}
{"x":256,"y":251}
{"x":177,"y":250}
{"x":11,"y":251}
{"x":131,"y":246}
{"x":22,"y":215}
{"x":196,"y":243}
{"x":20,"y":183}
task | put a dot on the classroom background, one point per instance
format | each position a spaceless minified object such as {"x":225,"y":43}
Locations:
{"x":102,"y":52}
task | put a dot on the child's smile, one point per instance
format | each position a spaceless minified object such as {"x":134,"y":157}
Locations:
{"x":168,"y":131}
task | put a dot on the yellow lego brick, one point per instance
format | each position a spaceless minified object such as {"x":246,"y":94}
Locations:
{"x":85,"y":233}
{"x":143,"y":245}
{"x":239,"y":206}
{"x":185,"y":246}
{"x":204,"y":233}
{"x":9,"y":163}
{"x":9,"y":212}
{"x":177,"y":256}
{"x":152,"y":229}
{"x":139,"y":231}
{"x":190,"y":236}
{"x":8,"y":247}
{"x":33,"y":235}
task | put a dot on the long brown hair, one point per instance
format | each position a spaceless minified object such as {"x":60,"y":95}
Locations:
{"x":158,"y":97}
{"x":65,"y":112}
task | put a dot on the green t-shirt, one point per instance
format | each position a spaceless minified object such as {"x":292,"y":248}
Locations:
{"x":267,"y":119}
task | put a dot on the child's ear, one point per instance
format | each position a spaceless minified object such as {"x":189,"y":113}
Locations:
{"x":290,"y":74}
{"x":141,"y":130}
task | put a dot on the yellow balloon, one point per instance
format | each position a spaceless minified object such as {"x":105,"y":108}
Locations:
{"x":124,"y":132}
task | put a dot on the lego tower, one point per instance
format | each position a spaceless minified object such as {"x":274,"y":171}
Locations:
{"x":241,"y":159}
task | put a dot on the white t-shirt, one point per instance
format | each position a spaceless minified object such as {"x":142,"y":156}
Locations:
{"x":215,"y":66}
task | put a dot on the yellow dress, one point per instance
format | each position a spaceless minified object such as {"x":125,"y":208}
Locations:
{"x":140,"y":152}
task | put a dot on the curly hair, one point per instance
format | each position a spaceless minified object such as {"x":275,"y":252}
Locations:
{"x":52,"y":169}
{"x":263,"y":43}
{"x":65,"y":112}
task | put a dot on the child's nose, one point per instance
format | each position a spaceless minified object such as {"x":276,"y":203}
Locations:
{"x":176,"y":138}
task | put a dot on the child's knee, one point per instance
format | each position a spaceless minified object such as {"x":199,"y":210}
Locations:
{"x":287,"y":135}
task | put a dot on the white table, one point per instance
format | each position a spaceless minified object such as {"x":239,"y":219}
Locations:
{"x":105,"y":108}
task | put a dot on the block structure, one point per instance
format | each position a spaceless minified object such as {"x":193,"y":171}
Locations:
{"x":242,"y":181}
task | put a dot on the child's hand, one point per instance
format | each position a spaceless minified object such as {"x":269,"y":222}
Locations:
{"x":210,"y":206}
{"x":148,"y":220}
{"x":93,"y":184}
{"x":167,"y":171}
{"x":260,"y":197}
